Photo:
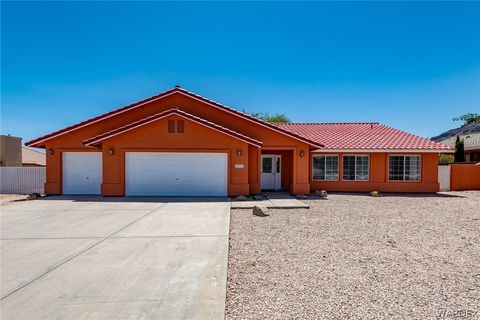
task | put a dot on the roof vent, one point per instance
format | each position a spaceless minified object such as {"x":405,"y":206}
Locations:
{"x":177,"y":86}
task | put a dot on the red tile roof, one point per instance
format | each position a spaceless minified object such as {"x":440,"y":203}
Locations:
{"x":176,"y":89}
{"x":361,"y":136}
{"x":368,"y":136}
{"x":174,"y":111}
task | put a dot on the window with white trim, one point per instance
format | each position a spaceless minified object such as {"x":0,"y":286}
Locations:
{"x":325,"y":168}
{"x":356,"y":168}
{"x":404,"y":168}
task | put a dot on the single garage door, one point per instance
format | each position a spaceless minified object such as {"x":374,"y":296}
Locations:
{"x":175,"y":174}
{"x":81,"y":172}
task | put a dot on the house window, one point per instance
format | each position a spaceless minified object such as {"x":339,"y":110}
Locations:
{"x":356,"y":168}
{"x":325,"y":168}
{"x":267,"y":165}
{"x":180,"y":126}
{"x":171,"y":126}
{"x":404,"y":168}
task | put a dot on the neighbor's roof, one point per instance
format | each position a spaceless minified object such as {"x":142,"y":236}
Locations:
{"x":362,"y":136}
{"x":471,"y":141}
{"x":174,"y":111}
{"x":30,"y":156}
{"x":38,"y":142}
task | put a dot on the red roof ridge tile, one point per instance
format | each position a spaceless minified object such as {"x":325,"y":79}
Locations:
{"x":176,"y":88}
{"x":248,"y":116}
{"x":100,"y":116}
{"x":163,"y":114}
{"x":407,"y":133}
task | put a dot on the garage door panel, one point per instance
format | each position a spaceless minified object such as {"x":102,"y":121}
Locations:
{"x":182,"y":174}
{"x":81,"y":172}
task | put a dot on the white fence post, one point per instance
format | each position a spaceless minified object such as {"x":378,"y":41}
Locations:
{"x":22,"y":180}
{"x":444,"y":174}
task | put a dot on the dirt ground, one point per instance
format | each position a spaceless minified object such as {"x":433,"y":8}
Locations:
{"x":358,"y":257}
{"x":6,"y":199}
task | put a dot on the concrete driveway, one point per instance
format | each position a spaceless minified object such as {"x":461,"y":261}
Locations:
{"x":114,"y":258}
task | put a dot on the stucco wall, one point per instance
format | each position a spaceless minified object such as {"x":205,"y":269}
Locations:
{"x":73,"y":142}
{"x":153,"y":137}
{"x":379,"y":176}
{"x":10,"y":151}
{"x":465,"y":177}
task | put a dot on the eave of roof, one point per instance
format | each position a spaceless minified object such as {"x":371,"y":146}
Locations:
{"x":174,"y":111}
{"x":364,"y":137}
{"x":37,"y":142}
{"x":384,"y":150}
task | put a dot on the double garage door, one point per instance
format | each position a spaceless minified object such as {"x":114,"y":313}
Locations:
{"x":151,"y":173}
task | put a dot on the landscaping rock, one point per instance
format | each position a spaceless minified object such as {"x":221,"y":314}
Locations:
{"x":321,"y":193}
{"x":375,"y":194}
{"x":252,"y":263}
{"x":242,"y":198}
{"x":260,"y":211}
{"x":257,"y":197}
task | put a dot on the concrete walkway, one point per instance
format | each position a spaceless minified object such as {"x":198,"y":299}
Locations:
{"x":114,"y":258}
{"x":272,"y":200}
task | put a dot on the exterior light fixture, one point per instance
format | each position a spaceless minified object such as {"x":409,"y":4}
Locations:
{"x":302,"y":154}
{"x":239,"y":152}
{"x":50,"y":152}
{"x":110,"y":151}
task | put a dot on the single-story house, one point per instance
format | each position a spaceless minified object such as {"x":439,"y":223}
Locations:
{"x":180,"y":143}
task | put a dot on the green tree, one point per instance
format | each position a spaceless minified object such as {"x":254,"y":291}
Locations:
{"x":468,"y":118}
{"x":273,"y":118}
{"x":459,"y":150}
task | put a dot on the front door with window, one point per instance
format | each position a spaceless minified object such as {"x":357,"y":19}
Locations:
{"x":271,"y":178}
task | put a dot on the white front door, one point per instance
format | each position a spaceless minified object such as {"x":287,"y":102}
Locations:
{"x":81,"y":172}
{"x":175,"y":174}
{"x":271,"y":178}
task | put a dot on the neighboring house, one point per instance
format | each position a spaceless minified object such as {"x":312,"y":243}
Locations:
{"x":12,"y":154}
{"x":180,"y":143}
{"x":470,"y":133}
{"x":33,"y":158}
{"x":471,"y":144}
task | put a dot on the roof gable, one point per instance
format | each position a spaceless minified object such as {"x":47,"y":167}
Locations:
{"x":161,"y":115}
{"x":175,"y":90}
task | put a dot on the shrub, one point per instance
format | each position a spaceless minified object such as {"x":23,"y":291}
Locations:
{"x":446,"y":158}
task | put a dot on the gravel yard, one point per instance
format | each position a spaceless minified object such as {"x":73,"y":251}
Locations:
{"x":358,"y":257}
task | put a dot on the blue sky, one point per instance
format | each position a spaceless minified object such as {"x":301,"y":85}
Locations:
{"x":410,"y":65}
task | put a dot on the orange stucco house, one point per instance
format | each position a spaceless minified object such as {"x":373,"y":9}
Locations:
{"x":180,"y":143}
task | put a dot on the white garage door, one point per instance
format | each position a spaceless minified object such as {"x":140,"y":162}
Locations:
{"x":175,"y":174}
{"x":81,"y":172}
